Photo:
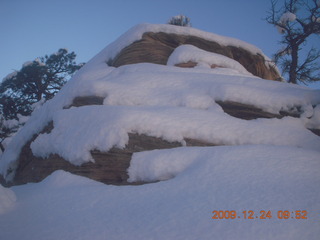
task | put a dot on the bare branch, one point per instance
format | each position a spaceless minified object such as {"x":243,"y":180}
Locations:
{"x":295,"y":31}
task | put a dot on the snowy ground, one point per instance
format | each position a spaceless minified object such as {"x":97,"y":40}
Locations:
{"x":271,"y":164}
{"x":201,"y":180}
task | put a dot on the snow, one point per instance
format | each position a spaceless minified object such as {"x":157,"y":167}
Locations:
{"x":9,"y":76}
{"x":186,"y":53}
{"x":7,"y":200}
{"x":28,"y":63}
{"x":284,"y":20}
{"x":316,"y":19}
{"x":13,"y":124}
{"x":201,"y":180}
{"x":288,"y":17}
{"x":60,"y":51}
{"x":281,"y":30}
{"x":37,"y":60}
{"x":151,"y":84}
{"x":314,"y":121}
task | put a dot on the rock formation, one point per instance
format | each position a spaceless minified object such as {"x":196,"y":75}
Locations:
{"x":153,"y":47}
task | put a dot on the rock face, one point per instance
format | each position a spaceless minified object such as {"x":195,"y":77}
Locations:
{"x":157,"y":47}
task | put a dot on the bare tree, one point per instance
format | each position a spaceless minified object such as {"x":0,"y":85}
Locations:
{"x":297,"y":20}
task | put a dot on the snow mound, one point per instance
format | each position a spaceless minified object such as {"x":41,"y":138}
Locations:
{"x":7,"y":199}
{"x":61,"y":179}
{"x":186,"y":53}
{"x":314,"y":121}
{"x":254,"y":162}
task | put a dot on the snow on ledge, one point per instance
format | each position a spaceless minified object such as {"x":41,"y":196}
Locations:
{"x":186,"y":53}
{"x":165,"y":164}
{"x":79,"y":130}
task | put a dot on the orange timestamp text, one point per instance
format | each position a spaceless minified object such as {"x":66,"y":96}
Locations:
{"x":262,"y":214}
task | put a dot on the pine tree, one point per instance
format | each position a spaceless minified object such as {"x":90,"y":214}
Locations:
{"x":36,"y":80}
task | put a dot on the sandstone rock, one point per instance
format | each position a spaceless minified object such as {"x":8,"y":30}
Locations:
{"x":248,"y":112}
{"x":191,"y":64}
{"x":87,"y":100}
{"x":315,"y":131}
{"x":157,"y":47}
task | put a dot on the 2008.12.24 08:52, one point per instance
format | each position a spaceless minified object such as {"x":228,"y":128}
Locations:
{"x":281,"y":214}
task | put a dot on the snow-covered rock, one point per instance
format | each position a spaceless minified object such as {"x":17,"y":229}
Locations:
{"x":163,"y":105}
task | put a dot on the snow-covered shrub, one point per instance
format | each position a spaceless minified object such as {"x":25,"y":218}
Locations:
{"x":180,"y":20}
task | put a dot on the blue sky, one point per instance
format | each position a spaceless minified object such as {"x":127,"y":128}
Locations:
{"x":33,"y":28}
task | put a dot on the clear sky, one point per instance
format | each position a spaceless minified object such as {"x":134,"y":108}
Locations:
{"x":33,"y":28}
